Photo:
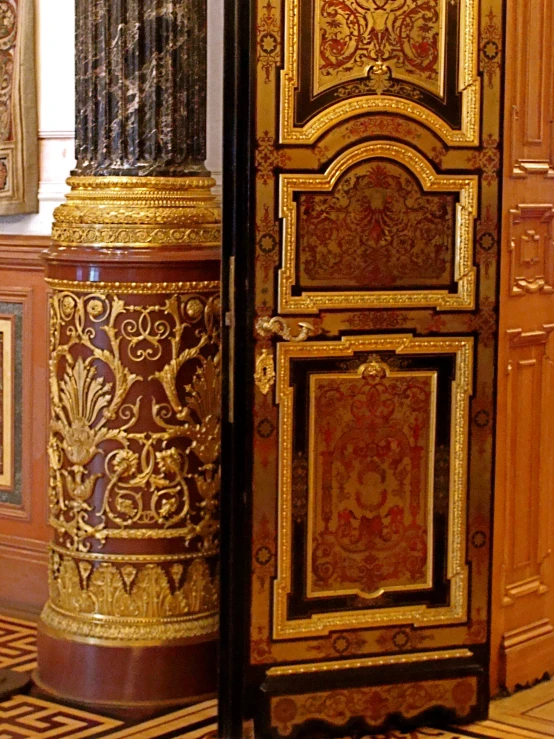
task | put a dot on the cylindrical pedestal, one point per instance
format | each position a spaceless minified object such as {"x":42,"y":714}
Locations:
{"x":132,"y":616}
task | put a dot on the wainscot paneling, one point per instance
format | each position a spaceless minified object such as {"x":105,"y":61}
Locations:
{"x":23,"y":422}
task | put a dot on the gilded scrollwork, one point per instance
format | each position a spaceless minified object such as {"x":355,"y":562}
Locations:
{"x":135,"y":426}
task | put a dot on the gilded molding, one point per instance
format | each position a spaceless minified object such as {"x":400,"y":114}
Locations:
{"x":138,"y":212}
{"x":120,"y":631}
{"x":356,"y":664}
{"x":467,"y":186}
{"x":135,"y":288}
{"x":320,"y":624}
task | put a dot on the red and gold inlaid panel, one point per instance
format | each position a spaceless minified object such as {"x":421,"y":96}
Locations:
{"x":376,"y":222}
{"x":354,"y":35}
{"x":377,"y":229}
{"x":372,"y":457}
{"x":417,"y":58}
{"x":374,"y":704}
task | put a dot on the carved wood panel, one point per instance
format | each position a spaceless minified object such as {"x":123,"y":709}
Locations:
{"x":530,"y":90}
{"x":523,"y":581}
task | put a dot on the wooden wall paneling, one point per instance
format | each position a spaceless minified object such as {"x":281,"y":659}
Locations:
{"x":523,"y":573}
{"x":23,"y":510}
{"x":529,"y":88}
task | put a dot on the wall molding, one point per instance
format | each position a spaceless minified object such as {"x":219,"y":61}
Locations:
{"x":23,"y":252}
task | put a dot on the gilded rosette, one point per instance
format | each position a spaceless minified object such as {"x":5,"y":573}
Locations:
{"x":139,"y":212}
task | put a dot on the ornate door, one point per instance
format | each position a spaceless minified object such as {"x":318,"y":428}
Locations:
{"x":361,"y":217}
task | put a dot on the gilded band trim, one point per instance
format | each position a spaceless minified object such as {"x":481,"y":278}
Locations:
{"x":356,"y":664}
{"x":135,"y":288}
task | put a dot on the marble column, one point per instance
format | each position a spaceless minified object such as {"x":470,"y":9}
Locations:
{"x":132,"y":618}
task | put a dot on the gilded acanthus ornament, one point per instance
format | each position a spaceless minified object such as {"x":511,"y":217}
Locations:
{"x":110,"y":478}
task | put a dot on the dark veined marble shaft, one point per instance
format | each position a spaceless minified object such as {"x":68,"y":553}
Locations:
{"x":141,"y":77}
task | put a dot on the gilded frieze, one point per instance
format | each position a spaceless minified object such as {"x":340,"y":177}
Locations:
{"x":109,"y":478}
{"x":134,"y":600}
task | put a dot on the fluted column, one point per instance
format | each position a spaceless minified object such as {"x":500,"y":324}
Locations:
{"x":132,"y":618}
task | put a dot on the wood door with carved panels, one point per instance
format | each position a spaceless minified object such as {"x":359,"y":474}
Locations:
{"x":523,"y":582}
{"x":362,"y":171}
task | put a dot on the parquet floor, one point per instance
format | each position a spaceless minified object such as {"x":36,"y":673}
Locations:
{"x":526,"y":715}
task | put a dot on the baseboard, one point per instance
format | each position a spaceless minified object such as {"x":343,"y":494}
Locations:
{"x":518,"y":659}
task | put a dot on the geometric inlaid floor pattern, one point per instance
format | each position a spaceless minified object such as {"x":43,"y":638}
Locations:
{"x":526,"y":715}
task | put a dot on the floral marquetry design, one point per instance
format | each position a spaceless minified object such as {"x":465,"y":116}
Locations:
{"x":376,"y":229}
{"x":372,"y":497}
{"x":373,"y":705}
{"x":405,"y":35}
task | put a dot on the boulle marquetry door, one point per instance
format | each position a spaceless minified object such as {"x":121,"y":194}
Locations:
{"x":361,"y":224}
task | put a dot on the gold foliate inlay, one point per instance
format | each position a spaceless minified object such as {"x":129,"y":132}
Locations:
{"x":138,"y":212}
{"x":320,"y":624}
{"x":108,"y":476}
{"x":312,"y":301}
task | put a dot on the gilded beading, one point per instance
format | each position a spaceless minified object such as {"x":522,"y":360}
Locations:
{"x":138,"y":212}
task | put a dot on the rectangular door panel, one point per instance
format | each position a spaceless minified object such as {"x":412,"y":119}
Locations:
{"x":361,"y":249}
